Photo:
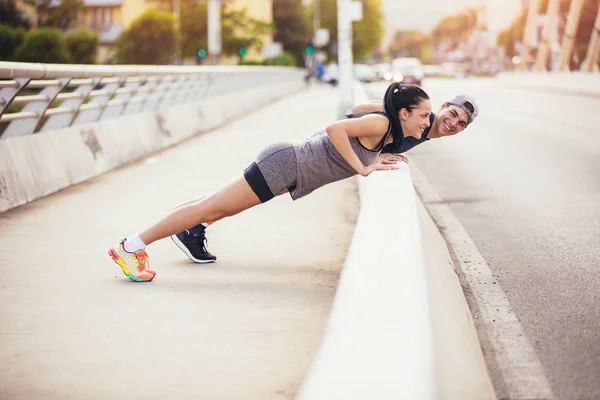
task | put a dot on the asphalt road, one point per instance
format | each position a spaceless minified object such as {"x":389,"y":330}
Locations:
{"x":524,"y":181}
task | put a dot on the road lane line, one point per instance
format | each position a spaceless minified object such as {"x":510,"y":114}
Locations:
{"x":521,"y":370}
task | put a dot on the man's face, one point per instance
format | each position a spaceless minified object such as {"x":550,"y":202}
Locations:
{"x":451,"y":120}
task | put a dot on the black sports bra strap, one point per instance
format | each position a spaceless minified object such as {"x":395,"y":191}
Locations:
{"x":381,"y":144}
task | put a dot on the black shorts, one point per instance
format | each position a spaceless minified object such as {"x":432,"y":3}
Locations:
{"x":274,"y":171}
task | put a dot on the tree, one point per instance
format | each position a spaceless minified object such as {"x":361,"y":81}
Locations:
{"x":194,"y":27}
{"x":10,"y":39}
{"x":410,"y":43}
{"x":367,"y":33}
{"x":10,"y":15}
{"x":512,"y":35}
{"x":65,"y":15}
{"x":240,"y":31}
{"x":291,"y":27}
{"x":150,"y":39}
{"x":45,"y":45}
{"x":455,"y":28}
{"x":83,"y":45}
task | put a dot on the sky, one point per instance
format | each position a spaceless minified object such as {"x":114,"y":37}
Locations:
{"x":405,"y":14}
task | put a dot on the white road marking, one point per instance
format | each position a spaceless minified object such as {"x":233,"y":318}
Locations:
{"x":519,"y":365}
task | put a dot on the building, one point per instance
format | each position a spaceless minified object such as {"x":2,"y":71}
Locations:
{"x":110,"y":17}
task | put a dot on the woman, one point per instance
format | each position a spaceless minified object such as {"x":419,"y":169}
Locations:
{"x":346,"y":148}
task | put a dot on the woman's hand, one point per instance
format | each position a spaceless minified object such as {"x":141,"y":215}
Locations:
{"x":391,"y":158}
{"x":379,"y":165}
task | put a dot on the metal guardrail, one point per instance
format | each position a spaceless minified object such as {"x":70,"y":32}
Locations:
{"x":41,"y":97}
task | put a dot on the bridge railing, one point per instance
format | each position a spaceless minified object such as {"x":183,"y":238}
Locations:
{"x":41,"y":97}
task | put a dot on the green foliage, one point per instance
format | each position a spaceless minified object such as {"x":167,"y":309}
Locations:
{"x":368,"y":32}
{"x":65,"y":15}
{"x":194,"y":27}
{"x":242,"y":61}
{"x":455,"y":28}
{"x":11,"y":15}
{"x":286,"y":59}
{"x":150,"y":39}
{"x":291,"y":27}
{"x":10,"y":39}
{"x":239,"y":30}
{"x":411,"y":43}
{"x":83,"y":45}
{"x":45,"y":45}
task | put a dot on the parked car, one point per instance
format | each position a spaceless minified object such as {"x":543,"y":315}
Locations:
{"x":364,"y":73}
{"x":408,"y":70}
{"x":383,"y":72}
{"x":432,"y":70}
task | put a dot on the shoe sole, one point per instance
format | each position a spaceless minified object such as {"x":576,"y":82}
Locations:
{"x":113,"y":254}
{"x":181,"y":246}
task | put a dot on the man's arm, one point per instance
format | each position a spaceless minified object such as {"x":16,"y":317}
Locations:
{"x":367,"y":107}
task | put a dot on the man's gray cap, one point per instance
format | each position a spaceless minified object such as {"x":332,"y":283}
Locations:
{"x":467,"y":104}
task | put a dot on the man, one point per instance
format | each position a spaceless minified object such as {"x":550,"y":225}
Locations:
{"x":453,"y":117}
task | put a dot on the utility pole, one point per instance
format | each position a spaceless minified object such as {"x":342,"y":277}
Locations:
{"x":177,"y":17}
{"x":549,"y":26}
{"x":530,"y":25}
{"x":569,"y":35}
{"x":593,"y":52}
{"x":316,"y":16}
{"x":345,"y":61}
{"x":214,"y":31}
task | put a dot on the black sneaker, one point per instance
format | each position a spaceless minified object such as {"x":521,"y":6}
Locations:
{"x":192,"y":242}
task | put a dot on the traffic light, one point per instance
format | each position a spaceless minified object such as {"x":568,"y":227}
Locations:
{"x":200,"y":56}
{"x":310,"y":49}
{"x":243,"y":51}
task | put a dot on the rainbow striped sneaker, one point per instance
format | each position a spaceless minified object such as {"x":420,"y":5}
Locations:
{"x":134,"y":265}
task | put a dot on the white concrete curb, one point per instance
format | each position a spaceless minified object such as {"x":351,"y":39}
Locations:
{"x":399,"y":326}
{"x":378,"y":343}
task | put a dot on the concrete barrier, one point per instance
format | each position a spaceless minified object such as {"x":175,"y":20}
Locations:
{"x":578,"y":83}
{"x":37,"y":165}
{"x":399,"y":327}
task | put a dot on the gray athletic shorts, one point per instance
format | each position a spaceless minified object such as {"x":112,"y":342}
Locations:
{"x":274,"y":171}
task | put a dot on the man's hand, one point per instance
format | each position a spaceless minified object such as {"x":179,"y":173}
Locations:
{"x":392,"y":158}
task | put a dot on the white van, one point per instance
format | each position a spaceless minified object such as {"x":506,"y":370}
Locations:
{"x":408,"y":70}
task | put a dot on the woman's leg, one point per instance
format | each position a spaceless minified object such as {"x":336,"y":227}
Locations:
{"x":233,"y":198}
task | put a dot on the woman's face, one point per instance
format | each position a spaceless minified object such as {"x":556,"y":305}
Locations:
{"x":416,"y":121}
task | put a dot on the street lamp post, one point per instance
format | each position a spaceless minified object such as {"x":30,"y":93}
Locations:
{"x":591,"y":58}
{"x":569,"y":35}
{"x":345,"y":55}
{"x":544,"y":49}
{"x":214,"y":31}
{"x":528,"y":34}
{"x":177,"y":17}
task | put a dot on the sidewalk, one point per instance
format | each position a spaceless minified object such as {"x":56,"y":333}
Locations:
{"x":72,"y":326}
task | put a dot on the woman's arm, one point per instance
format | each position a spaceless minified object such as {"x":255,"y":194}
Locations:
{"x":367,"y":107}
{"x":372,"y":127}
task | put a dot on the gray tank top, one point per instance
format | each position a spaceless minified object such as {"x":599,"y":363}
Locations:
{"x":320,"y":163}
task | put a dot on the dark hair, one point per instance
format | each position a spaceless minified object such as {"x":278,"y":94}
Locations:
{"x":395,"y":99}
